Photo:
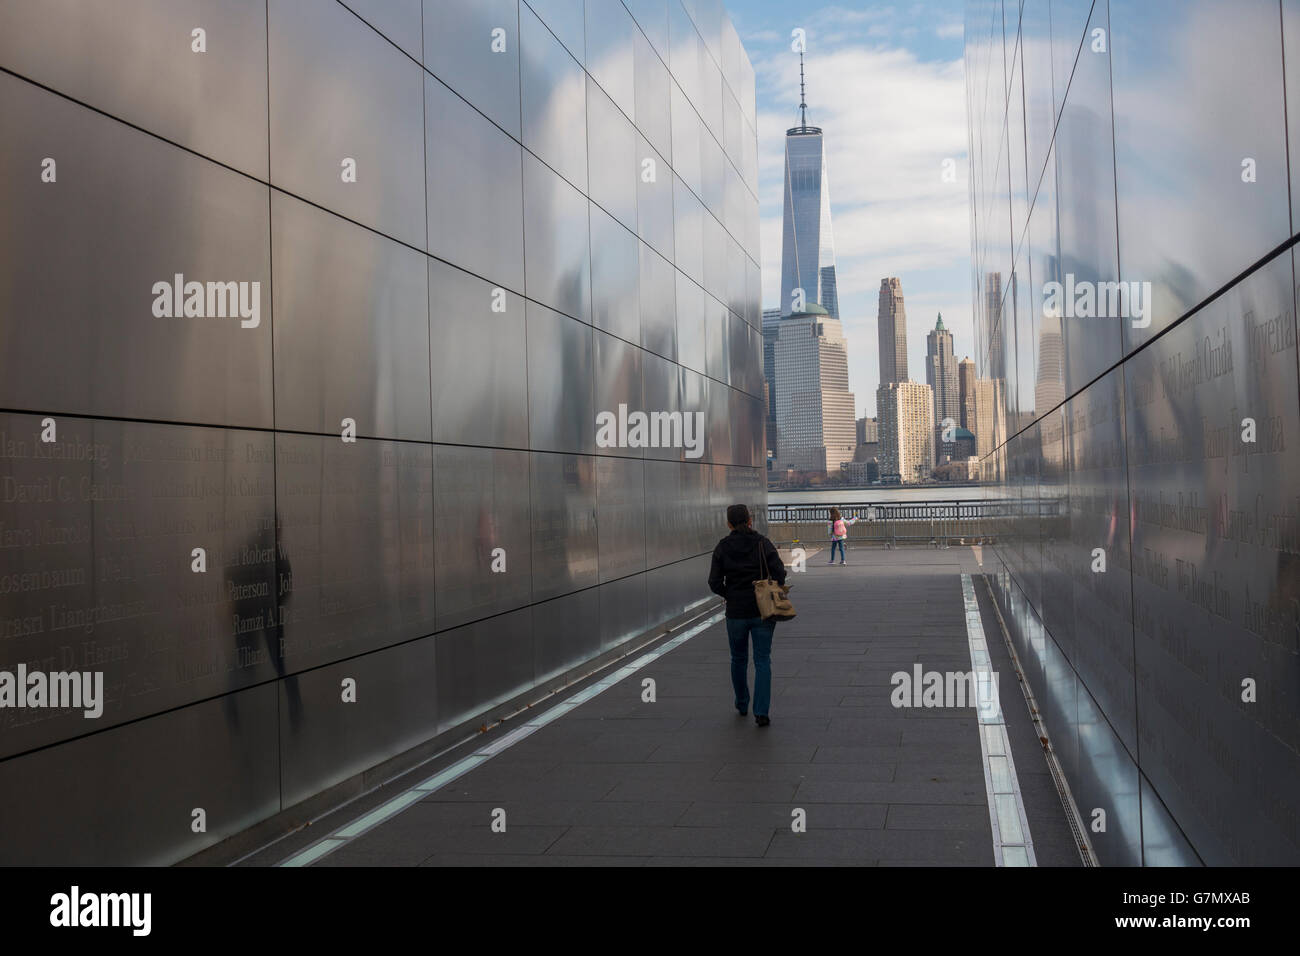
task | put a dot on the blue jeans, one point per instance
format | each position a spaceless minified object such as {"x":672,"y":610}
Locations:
{"x":739,"y":630}
{"x":834,"y":545}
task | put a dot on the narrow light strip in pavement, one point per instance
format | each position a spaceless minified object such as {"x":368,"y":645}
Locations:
{"x":397,"y":804}
{"x":1012,"y":844}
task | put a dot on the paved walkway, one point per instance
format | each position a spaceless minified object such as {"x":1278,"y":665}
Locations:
{"x":686,"y":780}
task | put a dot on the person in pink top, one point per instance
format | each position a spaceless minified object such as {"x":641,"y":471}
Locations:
{"x":839,"y":533}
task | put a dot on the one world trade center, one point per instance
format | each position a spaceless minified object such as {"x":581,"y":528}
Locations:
{"x":807,"y":250}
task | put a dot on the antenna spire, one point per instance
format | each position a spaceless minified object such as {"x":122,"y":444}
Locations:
{"x":803,"y":105}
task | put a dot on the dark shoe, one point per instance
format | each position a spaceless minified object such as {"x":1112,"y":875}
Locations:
{"x":743,"y":711}
{"x":762,"y":720}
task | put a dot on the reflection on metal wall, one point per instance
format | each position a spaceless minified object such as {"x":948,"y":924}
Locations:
{"x":1156,"y":608}
{"x":307,"y":313}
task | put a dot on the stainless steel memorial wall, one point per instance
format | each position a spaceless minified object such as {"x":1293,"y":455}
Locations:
{"x":308,"y":311}
{"x":1134,"y":200}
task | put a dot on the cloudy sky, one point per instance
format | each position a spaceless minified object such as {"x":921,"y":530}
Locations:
{"x":885,"y":84}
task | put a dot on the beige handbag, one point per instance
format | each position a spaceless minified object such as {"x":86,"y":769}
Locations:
{"x":773,"y":599}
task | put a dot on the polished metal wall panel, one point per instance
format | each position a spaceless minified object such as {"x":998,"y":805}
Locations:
{"x":753,"y":291}
{"x":474,"y":189}
{"x":560,"y":382}
{"x":400,"y":300}
{"x":653,"y":82}
{"x":1290,"y":48}
{"x":654,"y":199}
{"x":652,"y":17}
{"x":481,"y":505}
{"x":1163,"y":844}
{"x":623,"y":611}
{"x":721,"y":406}
{"x":564,"y":539}
{"x":610,"y":57}
{"x":483,"y":400}
{"x":88,"y":267}
{"x":666,"y":595}
{"x":619,"y":383}
{"x":1069,"y":31}
{"x":1060,"y":706}
{"x":98,"y":570}
{"x":662,"y":521}
{"x":566,"y":632}
{"x":556,"y":234}
{"x":658,"y":296}
{"x":615,"y":277}
{"x":1085,"y":183}
{"x":692,"y":325}
{"x":1036,"y":75}
{"x":1186,"y":249}
{"x":324,"y":739}
{"x":1100,"y":637}
{"x":695,"y":399}
{"x":715,"y":258}
{"x":745,"y":421}
{"x":340,"y":92}
{"x":458,"y":49}
{"x":1016,"y":154}
{"x":620,"y":516}
{"x":398,"y":20}
{"x":735,"y":293}
{"x":613,"y":164}
{"x":686,"y":137}
{"x":1107,"y":779}
{"x":130,"y":793}
{"x":565,"y":19}
{"x":136,"y":60}
{"x":662,"y":388}
{"x":699,"y":516}
{"x":1215,"y":575}
{"x":688,"y":232}
{"x":355,"y":546}
{"x":717,"y":340}
{"x":554,"y":100}
{"x":351,"y":326}
{"x":483,"y":664}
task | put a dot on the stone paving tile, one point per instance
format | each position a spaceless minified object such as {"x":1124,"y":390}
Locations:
{"x":686,"y":781}
{"x":677,"y":841}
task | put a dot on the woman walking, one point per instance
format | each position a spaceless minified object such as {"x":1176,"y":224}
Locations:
{"x":839,"y":533}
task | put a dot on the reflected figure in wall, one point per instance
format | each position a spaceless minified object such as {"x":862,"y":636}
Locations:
{"x":258,"y":609}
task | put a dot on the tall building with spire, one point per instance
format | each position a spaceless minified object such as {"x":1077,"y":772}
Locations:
{"x":891,"y":327}
{"x":941,"y":376}
{"x":807,"y":249}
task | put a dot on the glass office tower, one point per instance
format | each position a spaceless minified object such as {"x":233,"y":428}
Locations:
{"x":307,"y":312}
{"x":807,"y":246}
{"x":1149,"y":568}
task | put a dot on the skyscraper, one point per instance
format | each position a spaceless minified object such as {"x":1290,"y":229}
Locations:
{"x":816,"y":430}
{"x":891,"y":327}
{"x":990,"y":415}
{"x":966,"y":392}
{"x":941,"y":376}
{"x":1049,"y":383}
{"x":997,"y":366}
{"x":771,"y":331}
{"x":807,"y":249}
{"x":905,"y":414}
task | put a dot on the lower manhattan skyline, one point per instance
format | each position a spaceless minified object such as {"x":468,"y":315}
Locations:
{"x":899,"y":208}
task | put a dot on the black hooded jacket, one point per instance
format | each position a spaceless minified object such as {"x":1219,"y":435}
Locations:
{"x":736,"y":567}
